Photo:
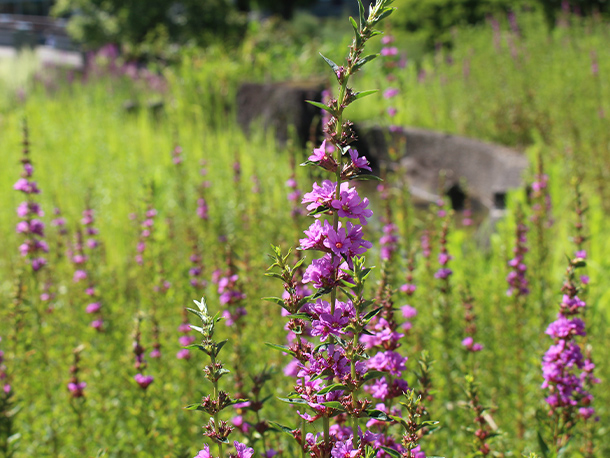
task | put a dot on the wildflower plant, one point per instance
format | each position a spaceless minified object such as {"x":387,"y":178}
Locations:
{"x":333,"y":371}
{"x":568,"y":375}
{"x":217,"y":430}
{"x":29,"y":211}
{"x":8,"y":437}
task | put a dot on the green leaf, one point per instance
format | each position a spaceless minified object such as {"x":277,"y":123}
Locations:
{"x":347,"y":283}
{"x":319,"y":293}
{"x":298,"y":264}
{"x":366,"y":177}
{"x":430,"y":423}
{"x":275,"y":300}
{"x":334,"y":66}
{"x":370,"y":375}
{"x":197,"y":312}
{"x":378,"y":414}
{"x":333,"y":405}
{"x":359,"y":95}
{"x":299,"y":316}
{"x":196,"y":347}
{"x":293,"y":401}
{"x":333,"y":387}
{"x":369,"y":316}
{"x":370,"y":452}
{"x":237,"y":401}
{"x":196,"y":328}
{"x":362,"y":15}
{"x":385,"y":13}
{"x":281,"y":348}
{"x":544,"y":449}
{"x":365,"y":60}
{"x":400,"y":420}
{"x":280,"y":428}
{"x":390,"y":451}
{"x":274,"y":275}
{"x":356,"y":31}
{"x":349,"y":295}
{"x":219,"y":345}
{"x":194,"y":407}
{"x":321,"y":347}
{"x":321,"y":106}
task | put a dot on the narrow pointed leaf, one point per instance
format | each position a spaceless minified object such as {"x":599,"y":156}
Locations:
{"x":362,"y":16}
{"x":359,"y":95}
{"x":333,"y":387}
{"x":369,"y":316}
{"x":358,"y":65}
{"x":276,"y":300}
{"x":280,"y":428}
{"x":390,"y":451}
{"x":321,"y":106}
{"x":334,"y":66}
{"x":194,"y":407}
{"x":333,"y":405}
{"x":378,"y":414}
{"x":281,"y":348}
{"x":293,"y":401}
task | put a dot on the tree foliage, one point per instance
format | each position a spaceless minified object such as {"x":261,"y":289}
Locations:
{"x":144,"y":27}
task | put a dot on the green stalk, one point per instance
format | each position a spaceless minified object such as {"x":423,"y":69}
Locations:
{"x":216,"y":418}
{"x":326,"y":424}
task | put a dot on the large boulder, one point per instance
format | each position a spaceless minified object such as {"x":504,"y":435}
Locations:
{"x":488,"y":170}
{"x":279,"y":106}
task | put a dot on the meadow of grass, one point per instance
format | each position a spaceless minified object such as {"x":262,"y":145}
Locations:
{"x":525,"y":89}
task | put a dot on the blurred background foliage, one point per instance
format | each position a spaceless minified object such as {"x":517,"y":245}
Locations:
{"x":156,"y":28}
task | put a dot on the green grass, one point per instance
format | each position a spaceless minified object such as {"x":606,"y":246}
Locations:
{"x":87,"y":149}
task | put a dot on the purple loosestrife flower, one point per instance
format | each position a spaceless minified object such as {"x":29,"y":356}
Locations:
{"x":147,"y":226}
{"x":322,"y":158}
{"x":517,"y":281}
{"x":177,"y":155}
{"x":359,"y":162}
{"x":243,"y":451}
{"x":541,"y":199}
{"x":75,"y":386}
{"x":564,"y":369}
{"x":471,"y":328}
{"x":6,"y":387}
{"x":294,"y":196}
{"x":338,"y":322}
{"x":390,"y":92}
{"x":33,"y":229}
{"x":205,"y":453}
{"x":88,"y":222}
{"x":142,"y":380}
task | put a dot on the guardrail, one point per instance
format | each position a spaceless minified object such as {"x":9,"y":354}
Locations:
{"x":21,"y":31}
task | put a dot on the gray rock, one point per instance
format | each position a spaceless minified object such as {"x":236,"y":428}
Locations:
{"x":488,"y":170}
{"x":278,"y":106}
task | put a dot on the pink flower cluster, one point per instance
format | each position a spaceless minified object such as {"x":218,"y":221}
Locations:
{"x":567,"y":374}
{"x":80,"y":260}
{"x":6,"y":387}
{"x":145,"y":234}
{"x":241,"y":451}
{"x":517,"y":281}
{"x":30,"y":226}
{"x":230,"y":295}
